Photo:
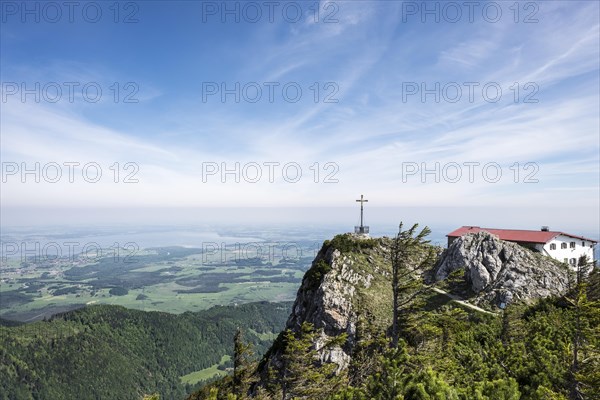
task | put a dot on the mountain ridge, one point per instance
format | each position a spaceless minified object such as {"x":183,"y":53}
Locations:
{"x":341,"y":321}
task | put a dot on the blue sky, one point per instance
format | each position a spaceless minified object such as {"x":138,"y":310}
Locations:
{"x":367,"y":56}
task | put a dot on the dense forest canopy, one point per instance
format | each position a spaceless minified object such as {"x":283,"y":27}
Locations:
{"x":110,"y":352}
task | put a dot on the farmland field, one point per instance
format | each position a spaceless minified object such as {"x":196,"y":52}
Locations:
{"x":172,"y":279}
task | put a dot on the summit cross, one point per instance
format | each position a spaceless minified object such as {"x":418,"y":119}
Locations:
{"x":361,"y":228}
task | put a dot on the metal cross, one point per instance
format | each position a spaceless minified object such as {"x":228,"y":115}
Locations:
{"x":361,"y":201}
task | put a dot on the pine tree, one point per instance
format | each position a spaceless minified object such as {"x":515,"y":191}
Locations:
{"x":392,"y":374}
{"x":429,"y":386}
{"x":214,"y":392}
{"x":302,"y":375}
{"x":543,"y":393}
{"x":368,"y":344}
{"x":410,"y":257}
{"x":499,"y":389}
{"x":585,"y":378}
{"x":242,"y":354}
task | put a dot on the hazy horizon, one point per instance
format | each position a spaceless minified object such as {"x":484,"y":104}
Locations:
{"x":525,"y":218}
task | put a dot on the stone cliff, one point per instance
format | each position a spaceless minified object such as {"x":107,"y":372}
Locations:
{"x":349,"y":286}
{"x":500,"y":272}
{"x":349,"y":281}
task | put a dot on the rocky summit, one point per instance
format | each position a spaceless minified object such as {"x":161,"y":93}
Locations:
{"x":500,"y":272}
{"x":349,"y":285}
{"x":339,"y":341}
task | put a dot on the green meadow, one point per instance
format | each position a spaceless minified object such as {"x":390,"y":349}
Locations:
{"x":172,"y":279}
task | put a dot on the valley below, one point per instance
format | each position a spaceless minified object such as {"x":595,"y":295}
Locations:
{"x":233,"y":267}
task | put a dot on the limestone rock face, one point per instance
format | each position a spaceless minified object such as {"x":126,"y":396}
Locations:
{"x":329,"y":307}
{"x":349,"y":285}
{"x":501,"y":272}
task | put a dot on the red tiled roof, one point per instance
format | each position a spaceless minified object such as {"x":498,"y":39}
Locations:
{"x":516,"y":235}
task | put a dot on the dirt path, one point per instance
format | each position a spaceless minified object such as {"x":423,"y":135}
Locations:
{"x":464,"y":303}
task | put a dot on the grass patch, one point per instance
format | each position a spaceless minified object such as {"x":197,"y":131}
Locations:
{"x":270,"y":336}
{"x":347,"y":243}
{"x":206,"y":373}
{"x":314,"y":276}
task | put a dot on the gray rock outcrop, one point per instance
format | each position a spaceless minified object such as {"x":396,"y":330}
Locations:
{"x":337,"y":292}
{"x":329,"y":307}
{"x":500,"y":272}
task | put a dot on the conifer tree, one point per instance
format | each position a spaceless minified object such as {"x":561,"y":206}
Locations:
{"x":410,"y":257}
{"x":242,"y":354}
{"x":392,"y":375}
{"x":368,"y":344}
{"x":302,"y":375}
{"x":585,"y":378}
{"x":429,"y":386}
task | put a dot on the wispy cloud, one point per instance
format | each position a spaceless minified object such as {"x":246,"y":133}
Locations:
{"x":370,"y":133}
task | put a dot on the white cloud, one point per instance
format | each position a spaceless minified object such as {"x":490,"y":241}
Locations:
{"x":369,"y":133}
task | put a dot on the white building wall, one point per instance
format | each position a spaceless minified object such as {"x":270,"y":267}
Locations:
{"x":575,"y":248}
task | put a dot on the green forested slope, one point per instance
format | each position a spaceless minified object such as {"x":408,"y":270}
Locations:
{"x":110,"y":352}
{"x":449,"y":354}
{"x":547,"y":349}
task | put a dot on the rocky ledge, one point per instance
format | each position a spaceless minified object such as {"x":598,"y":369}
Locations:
{"x":500,"y":272}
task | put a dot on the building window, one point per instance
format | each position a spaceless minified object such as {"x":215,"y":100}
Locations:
{"x":563,"y":245}
{"x":552,"y":246}
{"x":582,"y":244}
{"x":573,"y":261}
{"x":572,"y":245}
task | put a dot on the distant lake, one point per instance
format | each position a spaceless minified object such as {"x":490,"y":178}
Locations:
{"x":27,"y":241}
{"x":75,"y":238}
